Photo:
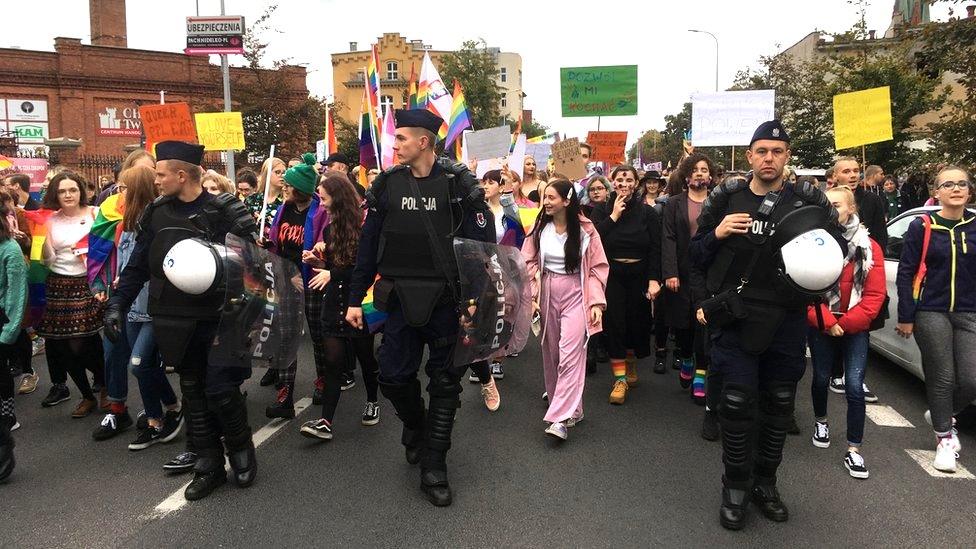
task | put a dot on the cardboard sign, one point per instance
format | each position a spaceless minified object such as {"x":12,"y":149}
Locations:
{"x":489,"y":143}
{"x":599,"y":91}
{"x":862,"y":117}
{"x":607,"y":146}
{"x":220,"y":131}
{"x":169,"y":122}
{"x":567,"y":160}
{"x":724,"y":119}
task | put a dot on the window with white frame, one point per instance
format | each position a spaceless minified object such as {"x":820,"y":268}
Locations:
{"x":392,"y":70}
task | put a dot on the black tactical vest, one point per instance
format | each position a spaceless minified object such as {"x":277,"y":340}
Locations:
{"x":168,"y":228}
{"x":732,"y":260}
{"x":405,"y":247}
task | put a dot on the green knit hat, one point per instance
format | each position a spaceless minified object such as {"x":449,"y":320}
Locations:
{"x":303,"y":177}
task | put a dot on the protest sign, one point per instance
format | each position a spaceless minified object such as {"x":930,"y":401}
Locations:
{"x":488,"y":143}
{"x":599,"y":91}
{"x":567,"y":159}
{"x":607,"y":146}
{"x":540,"y":152}
{"x":220,"y":131}
{"x":862,"y":117}
{"x":35,"y":168}
{"x":725,"y":119}
{"x":171,"y":121}
{"x":320,"y":148}
{"x":516,"y":160}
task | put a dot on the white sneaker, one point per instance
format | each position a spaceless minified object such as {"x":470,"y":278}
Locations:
{"x":869,"y":395}
{"x":945,"y":456}
{"x":821,"y":434}
{"x":837,"y":385}
{"x":558,"y":430}
{"x":574,"y":421}
{"x":956,"y":444}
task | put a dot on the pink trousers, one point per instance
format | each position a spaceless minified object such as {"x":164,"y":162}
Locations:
{"x":563,"y":344}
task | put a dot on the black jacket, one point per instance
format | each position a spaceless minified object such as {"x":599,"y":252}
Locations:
{"x":871,"y":209}
{"x":637,"y":218}
{"x":676,"y":262}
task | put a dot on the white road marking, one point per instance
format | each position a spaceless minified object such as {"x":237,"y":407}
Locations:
{"x":924,"y":459}
{"x":886,"y":416}
{"x":176,"y":501}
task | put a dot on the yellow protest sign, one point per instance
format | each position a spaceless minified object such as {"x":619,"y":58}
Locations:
{"x":220,"y":131}
{"x":862,"y":117}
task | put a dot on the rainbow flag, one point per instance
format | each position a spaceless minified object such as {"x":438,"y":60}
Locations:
{"x":412,"y":102}
{"x":367,"y":139}
{"x":459,"y":120}
{"x":38,"y":222}
{"x":373,"y":91}
{"x":375,"y":318}
{"x":5,"y":163}
{"x":387,"y":140}
{"x":102,"y":242}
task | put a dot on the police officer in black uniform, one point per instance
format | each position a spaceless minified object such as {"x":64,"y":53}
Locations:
{"x":414,"y":211}
{"x":185,"y":325}
{"x":756,"y":319}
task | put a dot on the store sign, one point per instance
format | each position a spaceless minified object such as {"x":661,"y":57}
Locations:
{"x":222,"y":34}
{"x":30,"y":132}
{"x":118,"y":121}
{"x":26,"y":110}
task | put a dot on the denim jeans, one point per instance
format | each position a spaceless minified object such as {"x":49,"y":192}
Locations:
{"x":116,"y":370}
{"x":153,"y":385}
{"x":854,"y":350}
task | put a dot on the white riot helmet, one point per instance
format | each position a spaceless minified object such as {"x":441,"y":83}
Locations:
{"x":194,"y":266}
{"x":811,"y":260}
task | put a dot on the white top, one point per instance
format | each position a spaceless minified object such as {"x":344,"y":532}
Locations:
{"x":59,"y":248}
{"x":552,"y":245}
{"x":499,"y":224}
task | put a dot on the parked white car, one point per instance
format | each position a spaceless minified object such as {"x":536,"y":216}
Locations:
{"x":901,"y":351}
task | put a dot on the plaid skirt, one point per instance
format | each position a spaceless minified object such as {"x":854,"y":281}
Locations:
{"x":71,"y":310}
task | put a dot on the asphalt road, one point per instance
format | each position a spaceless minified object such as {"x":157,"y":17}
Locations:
{"x":633,"y":476}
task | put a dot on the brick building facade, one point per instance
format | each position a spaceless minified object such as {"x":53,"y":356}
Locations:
{"x":87,"y":96}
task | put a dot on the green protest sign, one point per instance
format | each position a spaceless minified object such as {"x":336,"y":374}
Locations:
{"x":599,"y":91}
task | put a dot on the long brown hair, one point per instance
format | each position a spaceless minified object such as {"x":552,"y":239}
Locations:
{"x":345,"y":219}
{"x":51,"y":197}
{"x":140,"y":191}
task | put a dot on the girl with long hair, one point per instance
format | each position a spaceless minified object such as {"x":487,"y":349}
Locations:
{"x":72,"y":317}
{"x":631,"y":233}
{"x":527,"y":194}
{"x":13,"y":304}
{"x":566,"y":249}
{"x":334,"y":263}
{"x":255,"y":202}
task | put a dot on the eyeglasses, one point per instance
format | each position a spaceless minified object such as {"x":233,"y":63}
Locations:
{"x":962,"y":184}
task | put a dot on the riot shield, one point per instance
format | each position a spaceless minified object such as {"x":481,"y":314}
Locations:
{"x":496,"y":276}
{"x":263,"y":315}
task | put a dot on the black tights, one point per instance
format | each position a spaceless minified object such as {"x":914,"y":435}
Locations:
{"x":339,"y":352}
{"x":74,"y":356}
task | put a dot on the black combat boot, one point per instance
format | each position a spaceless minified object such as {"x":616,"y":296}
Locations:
{"x":231,"y":411}
{"x":409,"y":407}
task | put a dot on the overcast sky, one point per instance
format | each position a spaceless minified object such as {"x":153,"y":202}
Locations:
{"x":673,"y":63}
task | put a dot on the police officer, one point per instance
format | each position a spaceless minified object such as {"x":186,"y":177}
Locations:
{"x":185,"y":325}
{"x":756,"y":320}
{"x":414,"y":211}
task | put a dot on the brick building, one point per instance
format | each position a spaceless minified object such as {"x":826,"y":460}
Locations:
{"x":82,"y":100}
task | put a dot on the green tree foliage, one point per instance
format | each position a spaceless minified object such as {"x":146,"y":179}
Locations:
{"x":951,"y":47}
{"x":530,"y":129}
{"x":474,"y":67}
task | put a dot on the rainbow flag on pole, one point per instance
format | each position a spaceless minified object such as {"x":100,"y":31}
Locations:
{"x":368,"y":153}
{"x":459,"y":120}
{"x":412,"y":102}
{"x":373,"y":90}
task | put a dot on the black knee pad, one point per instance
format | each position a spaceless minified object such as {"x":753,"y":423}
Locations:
{"x":231,"y":411}
{"x":192,"y":386}
{"x":444,"y":384}
{"x":737,"y":402}
{"x":777,"y":399}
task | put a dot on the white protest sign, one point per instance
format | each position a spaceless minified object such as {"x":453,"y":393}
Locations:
{"x":490,"y":143}
{"x":485,"y":166}
{"x":725,"y":119}
{"x":320,"y":150}
{"x":516,"y":161}
{"x":540,"y":152}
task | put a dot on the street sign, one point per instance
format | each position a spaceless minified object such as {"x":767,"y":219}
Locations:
{"x":218,"y":34}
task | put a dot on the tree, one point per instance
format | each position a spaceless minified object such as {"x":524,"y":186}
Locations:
{"x":474,"y":67}
{"x":272,"y":115}
{"x":652,"y":149}
{"x":951,"y":47}
{"x":530,"y":129}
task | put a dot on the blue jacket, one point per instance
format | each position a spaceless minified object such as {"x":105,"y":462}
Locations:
{"x":950,"y":279}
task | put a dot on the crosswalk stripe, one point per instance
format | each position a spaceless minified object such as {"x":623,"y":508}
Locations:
{"x":924,"y":459}
{"x":176,"y":501}
{"x":886,"y":416}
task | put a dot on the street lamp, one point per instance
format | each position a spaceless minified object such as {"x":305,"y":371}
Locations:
{"x":716,"y":52}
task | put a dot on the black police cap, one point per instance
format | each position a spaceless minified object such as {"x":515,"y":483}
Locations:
{"x":419,"y":118}
{"x":336,"y":157}
{"x":179,"y":150}
{"x":772,"y":130}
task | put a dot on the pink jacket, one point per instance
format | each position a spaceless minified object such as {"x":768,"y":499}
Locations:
{"x":593,"y":273}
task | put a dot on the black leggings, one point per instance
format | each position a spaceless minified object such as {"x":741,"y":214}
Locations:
{"x":7,"y":357}
{"x":74,"y":356}
{"x":338,"y":353}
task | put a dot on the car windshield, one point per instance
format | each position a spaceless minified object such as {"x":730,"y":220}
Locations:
{"x":896,"y":235}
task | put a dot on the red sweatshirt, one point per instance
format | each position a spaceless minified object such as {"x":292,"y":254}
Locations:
{"x":858,"y":318}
